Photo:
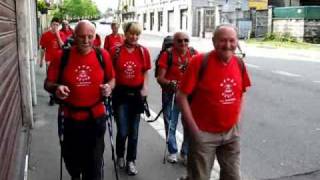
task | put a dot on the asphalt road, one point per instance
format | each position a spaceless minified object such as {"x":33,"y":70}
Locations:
{"x":280,"y":119}
{"x":280,"y":124}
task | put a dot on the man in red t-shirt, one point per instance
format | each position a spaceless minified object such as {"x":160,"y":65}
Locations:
{"x":82,"y":86}
{"x":114,"y":39}
{"x":212,"y":116}
{"x":97,"y":39}
{"x":66,"y":29}
{"x":51,"y":42}
{"x":172,"y":64}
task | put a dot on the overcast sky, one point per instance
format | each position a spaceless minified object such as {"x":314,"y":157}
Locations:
{"x":103,"y":5}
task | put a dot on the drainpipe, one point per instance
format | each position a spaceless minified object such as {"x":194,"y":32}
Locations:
{"x":24,"y":62}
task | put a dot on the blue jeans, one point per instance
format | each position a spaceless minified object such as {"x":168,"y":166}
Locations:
{"x":127,"y":128}
{"x":171,"y":116}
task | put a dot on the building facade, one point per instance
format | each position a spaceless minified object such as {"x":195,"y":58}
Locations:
{"x":196,"y":17}
{"x":18,"y":51}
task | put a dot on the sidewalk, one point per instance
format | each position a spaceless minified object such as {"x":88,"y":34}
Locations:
{"x":45,"y":150}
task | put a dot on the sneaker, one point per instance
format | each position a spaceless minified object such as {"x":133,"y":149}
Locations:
{"x":131,"y":168}
{"x":121,"y":163}
{"x":183,"y":159}
{"x":172,"y":158}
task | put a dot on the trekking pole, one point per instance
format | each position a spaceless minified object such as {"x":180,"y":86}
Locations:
{"x":60,"y":133}
{"x":169,"y":126}
{"x":109,"y":120}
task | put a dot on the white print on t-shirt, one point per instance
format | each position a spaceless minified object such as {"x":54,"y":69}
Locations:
{"x":129,"y":70}
{"x":227,"y":91}
{"x":82,"y":75}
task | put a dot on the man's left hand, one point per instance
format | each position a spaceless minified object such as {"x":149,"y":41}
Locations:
{"x":144,"y":92}
{"x":105,"y":90}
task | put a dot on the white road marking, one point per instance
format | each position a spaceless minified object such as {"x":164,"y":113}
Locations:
{"x":252,"y":66}
{"x":286,"y":73}
{"x":159,"y":127}
{"x":316,"y":81}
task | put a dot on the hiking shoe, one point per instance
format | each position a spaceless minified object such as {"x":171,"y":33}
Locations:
{"x":172,"y":158}
{"x":183,"y":159}
{"x":121,"y":163}
{"x":131,"y":168}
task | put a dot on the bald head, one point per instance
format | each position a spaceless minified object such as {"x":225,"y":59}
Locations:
{"x":84,"y":36}
{"x":84,"y":24}
{"x":223,"y":28}
{"x":225,"y":41}
{"x":181,"y":42}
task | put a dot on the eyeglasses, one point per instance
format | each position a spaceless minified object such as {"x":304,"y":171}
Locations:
{"x":183,"y":40}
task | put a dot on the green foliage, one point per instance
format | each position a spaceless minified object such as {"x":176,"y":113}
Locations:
{"x":42,"y":6}
{"x":285,"y":37}
{"x":77,"y":9}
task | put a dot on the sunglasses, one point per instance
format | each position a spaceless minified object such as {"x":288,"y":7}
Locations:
{"x":183,"y":40}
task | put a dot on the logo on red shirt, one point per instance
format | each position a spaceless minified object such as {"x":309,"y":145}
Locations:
{"x":83,"y":76}
{"x":129,"y":71}
{"x":227,"y":94}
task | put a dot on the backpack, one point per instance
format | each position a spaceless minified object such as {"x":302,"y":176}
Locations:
{"x":204,"y":63}
{"x":167,"y":47}
{"x":65,"y":59}
{"x":117,"y":54}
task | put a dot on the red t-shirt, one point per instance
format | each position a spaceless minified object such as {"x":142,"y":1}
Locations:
{"x":83,"y":75}
{"x":179,"y":64}
{"x":131,"y":66}
{"x":113,"y":40}
{"x":217,"y":97}
{"x":67,"y":33}
{"x":97,"y":41}
{"x":49,"y":42}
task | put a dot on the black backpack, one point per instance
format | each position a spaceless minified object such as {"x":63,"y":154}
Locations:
{"x":167,"y":47}
{"x":65,"y":59}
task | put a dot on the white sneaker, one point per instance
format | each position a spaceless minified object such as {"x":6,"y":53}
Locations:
{"x":121,"y":163}
{"x":131,"y":168}
{"x":172,"y":158}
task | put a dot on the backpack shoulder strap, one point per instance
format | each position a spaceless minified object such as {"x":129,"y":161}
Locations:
{"x":241,"y":64}
{"x":203,"y":65}
{"x":63,"y":63}
{"x":100,"y":57}
{"x":170,"y":57}
{"x":116,"y":55}
{"x":142,"y":50}
{"x":192,"y":51}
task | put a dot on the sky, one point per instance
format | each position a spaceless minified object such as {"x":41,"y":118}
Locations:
{"x":103,"y":5}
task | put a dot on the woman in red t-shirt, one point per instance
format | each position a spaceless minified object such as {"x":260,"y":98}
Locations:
{"x":131,"y":63}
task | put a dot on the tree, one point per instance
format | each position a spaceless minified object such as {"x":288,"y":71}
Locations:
{"x":76,"y":9}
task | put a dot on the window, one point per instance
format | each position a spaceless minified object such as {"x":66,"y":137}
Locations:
{"x":144,"y":21}
{"x":184,"y":19}
{"x":151,"y":20}
{"x":160,"y":20}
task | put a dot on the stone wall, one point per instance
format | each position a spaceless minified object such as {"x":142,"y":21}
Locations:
{"x":312,"y":31}
{"x":307,"y":30}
